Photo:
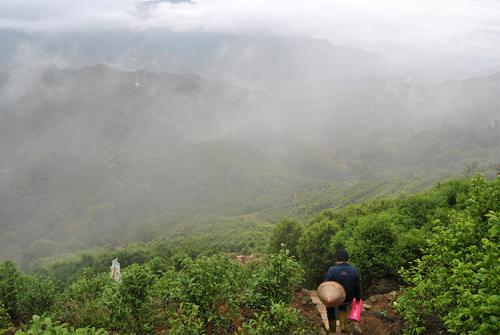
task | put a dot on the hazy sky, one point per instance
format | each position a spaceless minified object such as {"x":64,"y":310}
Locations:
{"x":406,"y":31}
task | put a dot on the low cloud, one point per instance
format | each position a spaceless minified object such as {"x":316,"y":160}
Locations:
{"x":462,"y":34}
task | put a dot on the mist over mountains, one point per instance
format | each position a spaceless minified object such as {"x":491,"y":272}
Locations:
{"x":236,"y":57}
{"x":180,"y":126}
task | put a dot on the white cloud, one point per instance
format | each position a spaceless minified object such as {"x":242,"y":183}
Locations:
{"x":402,"y":30}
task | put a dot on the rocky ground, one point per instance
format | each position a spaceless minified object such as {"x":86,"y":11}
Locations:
{"x":378,"y":318}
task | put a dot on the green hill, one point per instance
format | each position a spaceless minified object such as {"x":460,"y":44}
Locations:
{"x":97,"y":156}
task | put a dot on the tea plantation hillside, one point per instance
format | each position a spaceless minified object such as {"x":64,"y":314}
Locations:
{"x":438,"y":247}
{"x":99,"y":156}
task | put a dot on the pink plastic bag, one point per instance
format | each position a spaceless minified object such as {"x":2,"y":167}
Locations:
{"x":356,"y":307}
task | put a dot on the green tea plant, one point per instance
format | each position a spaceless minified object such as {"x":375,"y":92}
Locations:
{"x":81,"y":303}
{"x":37,"y":295}
{"x":372,"y":247}
{"x":455,"y":284}
{"x":279,"y":319}
{"x":215,"y":285}
{"x":275,"y":280}
{"x":24,"y":295}
{"x":10,"y":278}
{"x":126,"y":301}
{"x":185,"y":320}
{"x":45,"y":326}
{"x":5,"y":321}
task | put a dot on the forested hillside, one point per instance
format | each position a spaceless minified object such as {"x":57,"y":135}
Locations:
{"x":440,"y":245}
{"x":224,"y":152}
{"x":102,"y":157}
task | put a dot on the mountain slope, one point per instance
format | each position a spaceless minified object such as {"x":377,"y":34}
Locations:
{"x":90,"y":154}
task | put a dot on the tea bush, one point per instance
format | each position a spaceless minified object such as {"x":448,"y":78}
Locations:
{"x":10,"y":278}
{"x":372,"y":247}
{"x":126,"y":301}
{"x":80,"y":304}
{"x":214,"y":284}
{"x":45,"y":326}
{"x":185,"y":320}
{"x":37,"y":295}
{"x":275,"y":280}
{"x":24,"y":295}
{"x":280,"y":319}
{"x":5,"y":321}
{"x":456,"y":282}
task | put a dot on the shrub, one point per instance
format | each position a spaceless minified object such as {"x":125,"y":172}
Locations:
{"x":483,"y":197}
{"x":453,"y":190}
{"x":280,"y":319}
{"x":286,"y":235}
{"x":185,"y":320}
{"x":126,"y":301}
{"x":214,"y":284}
{"x":418,"y":210}
{"x":24,"y":295}
{"x":9,"y":288}
{"x":4,"y":319}
{"x":314,"y":250}
{"x":45,"y":326}
{"x":36,"y":296}
{"x":80,"y":304}
{"x":275,"y":280}
{"x":410,"y":246}
{"x":456,"y":283}
{"x":372,"y":247}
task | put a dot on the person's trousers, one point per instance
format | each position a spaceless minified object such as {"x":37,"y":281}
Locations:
{"x":342,"y":317}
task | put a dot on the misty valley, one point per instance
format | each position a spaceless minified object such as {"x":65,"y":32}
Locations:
{"x":224,"y":171}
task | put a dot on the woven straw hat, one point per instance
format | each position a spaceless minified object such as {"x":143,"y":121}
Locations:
{"x":331,"y":293}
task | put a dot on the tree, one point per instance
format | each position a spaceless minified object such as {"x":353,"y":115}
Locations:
{"x":314,"y":250}
{"x":286,"y":235}
{"x":372,"y":247}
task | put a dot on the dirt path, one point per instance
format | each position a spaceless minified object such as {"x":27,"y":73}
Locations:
{"x":321,"y":308}
{"x":379,"y":317}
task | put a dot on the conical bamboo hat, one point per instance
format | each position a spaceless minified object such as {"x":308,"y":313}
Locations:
{"x":331,"y":293}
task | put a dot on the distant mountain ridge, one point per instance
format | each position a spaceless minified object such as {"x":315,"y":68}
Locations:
{"x":88,"y":153}
{"x":242,"y":57}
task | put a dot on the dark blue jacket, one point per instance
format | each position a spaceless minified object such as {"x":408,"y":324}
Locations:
{"x":348,"y":276}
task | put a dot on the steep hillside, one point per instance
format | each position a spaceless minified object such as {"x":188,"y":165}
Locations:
{"x":98,"y":156}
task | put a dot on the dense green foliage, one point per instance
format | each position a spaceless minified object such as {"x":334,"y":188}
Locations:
{"x":280,"y":319}
{"x":211,"y":286}
{"x":244,"y":237}
{"x":5,"y":321}
{"x":314,"y":249}
{"x":45,"y":326}
{"x":23,"y":295}
{"x":382,"y":235}
{"x":79,"y":304}
{"x":276,"y":276}
{"x":455,"y":284}
{"x":441,"y":244}
{"x":286,"y":234}
{"x":174,"y":295}
{"x":445,"y":240}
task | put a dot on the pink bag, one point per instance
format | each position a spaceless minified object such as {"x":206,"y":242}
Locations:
{"x":356,"y":307}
